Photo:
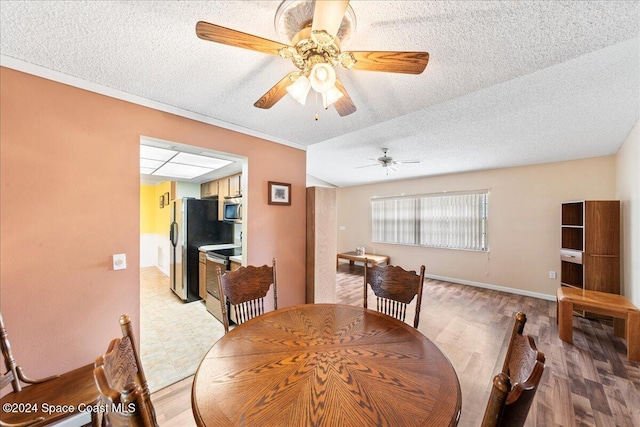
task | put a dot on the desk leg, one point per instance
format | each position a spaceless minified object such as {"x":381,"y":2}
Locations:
{"x":619,"y":327}
{"x":565,"y":321}
{"x":633,"y":336}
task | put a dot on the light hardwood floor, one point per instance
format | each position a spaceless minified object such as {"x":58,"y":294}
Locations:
{"x":589,"y":383}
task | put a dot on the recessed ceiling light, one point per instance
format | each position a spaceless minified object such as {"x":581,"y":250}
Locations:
{"x":146,"y":171}
{"x":172,"y":164}
{"x":155,"y":153}
{"x":196,"y":160}
{"x":175,"y":170}
{"x":148,"y":163}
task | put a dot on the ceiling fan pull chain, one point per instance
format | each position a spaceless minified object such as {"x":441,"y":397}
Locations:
{"x":316,"y":116}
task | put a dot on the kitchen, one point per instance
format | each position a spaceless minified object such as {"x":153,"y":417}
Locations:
{"x":197,"y":224}
{"x":205,"y":231}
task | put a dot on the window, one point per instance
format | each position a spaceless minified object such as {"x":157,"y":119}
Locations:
{"x":441,"y":220}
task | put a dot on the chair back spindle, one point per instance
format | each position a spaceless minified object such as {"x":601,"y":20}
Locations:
{"x":245,"y":290}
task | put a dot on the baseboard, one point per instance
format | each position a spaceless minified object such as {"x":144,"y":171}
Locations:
{"x":492,"y":287}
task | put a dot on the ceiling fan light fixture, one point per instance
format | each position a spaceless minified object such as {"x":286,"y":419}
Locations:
{"x":332,"y":95}
{"x":322,"y":77}
{"x":300,"y":89}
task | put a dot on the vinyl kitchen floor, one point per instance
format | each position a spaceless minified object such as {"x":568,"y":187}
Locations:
{"x":174,"y":336}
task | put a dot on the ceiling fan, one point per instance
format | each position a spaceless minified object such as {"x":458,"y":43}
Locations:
{"x":388,"y":162}
{"x":315,"y":30}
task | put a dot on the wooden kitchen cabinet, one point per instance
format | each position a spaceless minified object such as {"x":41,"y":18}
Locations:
{"x":234,"y":184}
{"x":202,"y":276}
{"x":209,"y":189}
{"x":223,"y":191}
{"x":235,"y":265}
{"x":228,"y":186}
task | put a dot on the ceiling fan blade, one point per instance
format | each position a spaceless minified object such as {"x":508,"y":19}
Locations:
{"x":407,"y":161}
{"x":367,"y":166}
{"x":391,"y":62}
{"x":344,"y":106}
{"x":276,"y":93}
{"x":328,"y":14}
{"x":218,"y":34}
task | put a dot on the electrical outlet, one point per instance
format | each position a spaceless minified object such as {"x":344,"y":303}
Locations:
{"x":552,"y":275}
{"x":119,"y":261}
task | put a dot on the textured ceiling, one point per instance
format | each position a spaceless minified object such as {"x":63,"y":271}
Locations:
{"x":508,"y":83}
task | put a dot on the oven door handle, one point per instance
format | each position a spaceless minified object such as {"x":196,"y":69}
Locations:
{"x":216,"y":260}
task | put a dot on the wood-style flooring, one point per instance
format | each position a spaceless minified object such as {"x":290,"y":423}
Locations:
{"x":589,"y":383}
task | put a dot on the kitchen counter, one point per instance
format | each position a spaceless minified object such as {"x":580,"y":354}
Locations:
{"x":236,"y":258}
{"x":206,"y":248}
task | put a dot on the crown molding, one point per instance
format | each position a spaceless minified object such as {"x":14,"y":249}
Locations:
{"x":49,"y":74}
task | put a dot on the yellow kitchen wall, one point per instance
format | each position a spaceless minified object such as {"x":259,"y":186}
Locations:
{"x":153,"y":218}
{"x":148,"y":203}
{"x":523,"y":222}
{"x":163,"y":215}
{"x":154,"y":226}
{"x":56,"y":129}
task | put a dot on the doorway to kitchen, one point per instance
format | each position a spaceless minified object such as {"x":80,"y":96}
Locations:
{"x":174,"y":334}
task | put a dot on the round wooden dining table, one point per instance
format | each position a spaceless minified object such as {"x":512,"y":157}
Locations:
{"x":325,"y":365}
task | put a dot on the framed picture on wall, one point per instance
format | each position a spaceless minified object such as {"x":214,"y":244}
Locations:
{"x":279,"y":193}
{"x":162,"y":201}
{"x":166,"y":199}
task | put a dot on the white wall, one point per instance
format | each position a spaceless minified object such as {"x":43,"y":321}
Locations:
{"x":523,"y":224}
{"x":154,"y":251}
{"x":628,"y":191}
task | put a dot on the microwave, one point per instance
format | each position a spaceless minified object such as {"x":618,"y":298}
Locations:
{"x":232,"y":210}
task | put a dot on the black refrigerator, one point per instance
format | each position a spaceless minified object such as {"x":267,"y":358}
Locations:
{"x":194,"y":222}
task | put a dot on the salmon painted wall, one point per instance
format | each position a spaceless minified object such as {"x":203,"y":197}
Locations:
{"x":70,"y":198}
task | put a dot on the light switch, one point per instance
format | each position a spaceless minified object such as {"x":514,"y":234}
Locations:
{"x":119,"y":261}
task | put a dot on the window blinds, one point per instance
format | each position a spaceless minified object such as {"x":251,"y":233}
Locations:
{"x":442,"y":220}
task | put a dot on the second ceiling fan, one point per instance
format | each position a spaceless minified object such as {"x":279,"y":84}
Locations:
{"x":387,"y":162}
{"x":315,"y":51}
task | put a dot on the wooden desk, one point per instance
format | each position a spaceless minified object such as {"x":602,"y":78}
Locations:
{"x":371,"y":258}
{"x":325,"y":365}
{"x":626,"y":322}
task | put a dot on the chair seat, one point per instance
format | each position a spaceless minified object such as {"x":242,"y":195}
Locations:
{"x":74,"y":389}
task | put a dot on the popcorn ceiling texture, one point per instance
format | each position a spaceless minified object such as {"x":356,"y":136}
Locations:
{"x":508,"y":83}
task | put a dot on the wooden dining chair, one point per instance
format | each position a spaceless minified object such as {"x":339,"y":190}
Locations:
{"x":394,"y":289}
{"x":71,"y":388}
{"x":514,"y":388}
{"x":122,"y":384}
{"x":245,"y":289}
